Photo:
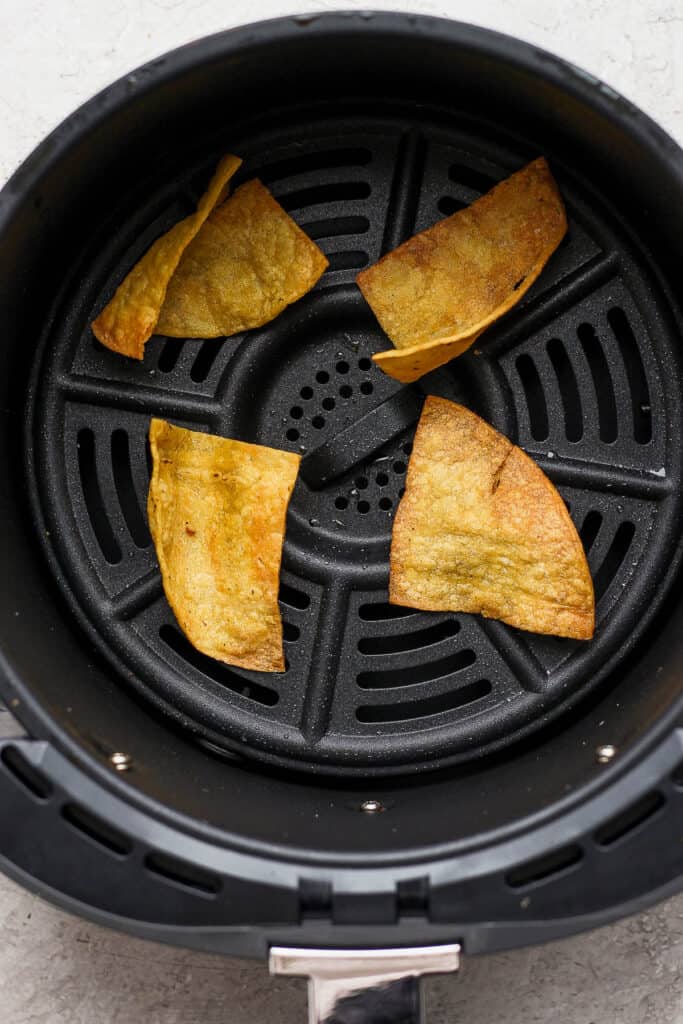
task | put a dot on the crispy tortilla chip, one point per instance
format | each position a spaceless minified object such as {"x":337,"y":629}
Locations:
{"x":247,"y":263}
{"x":217,"y":512}
{"x":482,"y":529}
{"x":126,"y":323}
{"x":437,"y":292}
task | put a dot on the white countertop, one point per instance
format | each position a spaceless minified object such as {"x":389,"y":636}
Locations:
{"x":55,"y":969}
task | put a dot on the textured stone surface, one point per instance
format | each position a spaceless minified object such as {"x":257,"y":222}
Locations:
{"x":55,"y":969}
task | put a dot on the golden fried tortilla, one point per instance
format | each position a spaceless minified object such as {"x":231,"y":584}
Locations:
{"x":482,"y":529}
{"x":436,"y":293}
{"x":129,"y":320}
{"x":247,"y":263}
{"x":216,"y":512}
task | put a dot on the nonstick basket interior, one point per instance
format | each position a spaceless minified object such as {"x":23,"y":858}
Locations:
{"x":582,"y":374}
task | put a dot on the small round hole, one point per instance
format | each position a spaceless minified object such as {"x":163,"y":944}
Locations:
{"x":366,"y":388}
{"x":342,"y":366}
{"x":341,"y":502}
{"x":385,"y":504}
{"x":322,"y":376}
{"x":328,"y":403}
{"x":292,"y":434}
{"x":361,"y":482}
{"x":318,"y":422}
{"x":296,"y":412}
{"x":363,"y":507}
{"x":306,"y":392}
{"x":401,"y":492}
{"x":346,"y":390}
{"x":399,"y":466}
{"x":364,"y":364}
{"x":382,"y":479}
{"x":407,"y":447}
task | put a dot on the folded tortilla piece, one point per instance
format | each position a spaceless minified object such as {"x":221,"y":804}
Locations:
{"x":216,"y":510}
{"x":249,"y":261}
{"x":482,"y":529}
{"x":130,"y":318}
{"x":437,"y":292}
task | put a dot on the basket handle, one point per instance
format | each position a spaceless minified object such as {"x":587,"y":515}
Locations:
{"x":374,"y":986}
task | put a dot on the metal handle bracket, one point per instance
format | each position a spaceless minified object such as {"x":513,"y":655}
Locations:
{"x":364,"y":986}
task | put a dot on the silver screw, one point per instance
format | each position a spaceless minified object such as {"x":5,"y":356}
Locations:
{"x":372,"y":807}
{"x":121,"y":762}
{"x":605,"y":753}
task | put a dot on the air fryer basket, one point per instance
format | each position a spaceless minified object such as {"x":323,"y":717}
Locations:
{"x":410,"y":778}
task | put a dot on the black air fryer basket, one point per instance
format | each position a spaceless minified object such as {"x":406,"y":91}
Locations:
{"x":412,"y":780}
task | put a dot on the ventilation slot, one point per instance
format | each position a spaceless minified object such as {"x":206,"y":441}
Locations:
{"x":304,"y":164}
{"x":93,"y":497}
{"x":206,"y":357}
{"x":412,"y":897}
{"x":378,"y":611}
{"x":335,"y":226}
{"x":290,"y":633}
{"x":97,"y":830}
{"x":125,"y":489}
{"x":479,"y":182}
{"x":447,"y":205}
{"x":590,"y":528}
{"x":423,"y":673}
{"x":624,"y":823}
{"x":602,"y":382}
{"x":349,"y":259}
{"x":341,"y":192}
{"x":179,"y":872}
{"x":635,"y":371}
{"x":31,"y":778}
{"x":409,"y":641}
{"x":315,"y":898}
{"x":293,"y":597}
{"x":215,"y":670}
{"x":616,"y":554}
{"x":542,"y":869}
{"x":566,"y":379}
{"x":535,"y":399}
{"x":437,"y":705}
{"x":170,"y":354}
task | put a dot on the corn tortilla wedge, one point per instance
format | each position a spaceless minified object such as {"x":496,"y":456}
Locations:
{"x":128,"y":321}
{"x":216,"y":510}
{"x":248,"y":261}
{"x":482,"y":529}
{"x":435,"y":294}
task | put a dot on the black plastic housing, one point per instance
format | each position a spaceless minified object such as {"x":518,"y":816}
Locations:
{"x":224,"y":842}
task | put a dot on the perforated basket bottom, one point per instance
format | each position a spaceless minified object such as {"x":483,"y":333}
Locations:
{"x":581,"y":374}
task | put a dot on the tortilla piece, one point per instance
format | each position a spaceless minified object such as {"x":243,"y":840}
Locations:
{"x":129,"y":320}
{"x":216,"y":512}
{"x":247,"y":263}
{"x":482,"y":529}
{"x":437,"y":292}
